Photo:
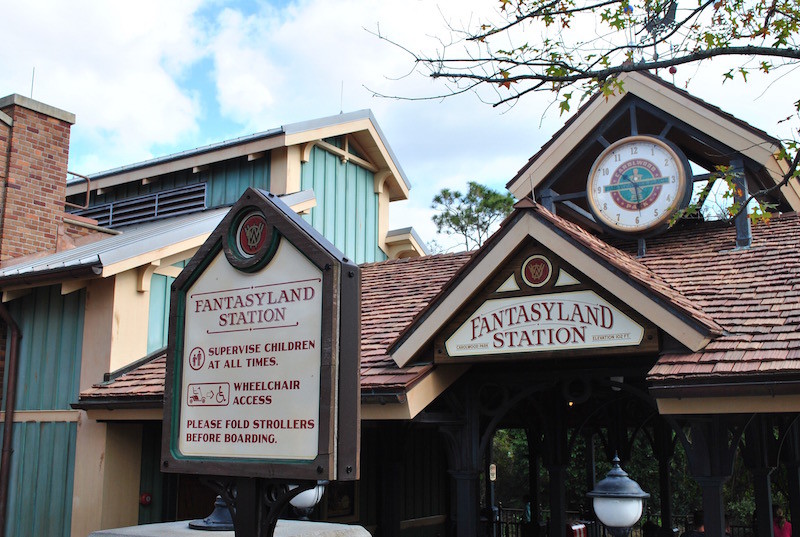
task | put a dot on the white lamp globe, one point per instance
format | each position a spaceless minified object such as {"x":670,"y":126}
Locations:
{"x":618,"y":512}
{"x":618,"y":500}
{"x":308,"y":498}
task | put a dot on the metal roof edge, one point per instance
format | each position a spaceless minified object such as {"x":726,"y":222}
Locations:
{"x":113,"y":375}
{"x":184,"y":154}
{"x":346,"y":117}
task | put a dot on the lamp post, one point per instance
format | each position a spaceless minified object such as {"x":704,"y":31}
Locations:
{"x":618,"y":500}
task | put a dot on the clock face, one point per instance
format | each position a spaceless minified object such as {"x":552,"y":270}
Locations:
{"x":637,"y":184}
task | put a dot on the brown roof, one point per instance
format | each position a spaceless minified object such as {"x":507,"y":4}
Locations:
{"x":392,"y":292}
{"x":754,"y":294}
{"x":636,"y":269}
{"x":142,"y":383}
{"x":748,"y":298}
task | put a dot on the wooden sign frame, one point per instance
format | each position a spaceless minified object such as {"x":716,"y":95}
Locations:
{"x":338,"y":426}
{"x":511,"y":269}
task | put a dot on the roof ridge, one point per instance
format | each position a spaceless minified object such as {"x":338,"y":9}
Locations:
{"x":606,"y":250}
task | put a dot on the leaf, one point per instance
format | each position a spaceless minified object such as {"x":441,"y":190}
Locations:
{"x":564,"y":104}
{"x":743,"y":71}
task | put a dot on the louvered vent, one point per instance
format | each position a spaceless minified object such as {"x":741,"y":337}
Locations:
{"x":149,"y":207}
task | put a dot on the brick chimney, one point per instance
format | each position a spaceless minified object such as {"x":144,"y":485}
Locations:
{"x":34,"y":148}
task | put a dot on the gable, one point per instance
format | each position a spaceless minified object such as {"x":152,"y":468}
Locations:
{"x":537,"y":305}
{"x":623,"y":279}
{"x":697,"y":128}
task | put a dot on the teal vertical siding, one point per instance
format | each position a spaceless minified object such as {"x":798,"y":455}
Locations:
{"x":225,"y":182}
{"x":50,"y":350}
{"x":41,"y":479}
{"x":151,"y":480}
{"x":42,"y":463}
{"x":347,"y":206}
{"x":158,"y":320}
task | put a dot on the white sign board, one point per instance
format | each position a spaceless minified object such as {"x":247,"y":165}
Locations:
{"x":251,"y":361}
{"x":547,"y":322}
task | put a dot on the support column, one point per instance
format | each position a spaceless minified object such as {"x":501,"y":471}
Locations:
{"x":710,"y":453}
{"x":664,"y":451}
{"x":760,"y":458}
{"x":558,"y":500}
{"x":462,"y":440}
{"x":762,"y":485}
{"x":534,"y":446}
{"x":555,"y":453}
{"x":466,"y":485}
{"x":792,"y":463}
{"x":713,"y":506}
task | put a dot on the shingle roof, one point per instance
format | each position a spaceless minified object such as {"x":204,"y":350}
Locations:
{"x":749,"y":298}
{"x":754,"y":294}
{"x":635,"y":269}
{"x":392,"y":292}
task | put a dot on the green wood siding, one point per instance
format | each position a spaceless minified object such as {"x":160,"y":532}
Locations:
{"x":152,"y":480}
{"x":50,"y":350}
{"x":347,"y":205}
{"x":226,"y":181}
{"x":42,"y":467}
{"x":40,"y":483}
{"x":158,"y":321}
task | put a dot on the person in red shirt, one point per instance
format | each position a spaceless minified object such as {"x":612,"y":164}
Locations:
{"x":780,"y":526}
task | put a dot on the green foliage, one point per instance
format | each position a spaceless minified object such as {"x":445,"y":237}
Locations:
{"x":510,"y":454}
{"x":577,"y":48}
{"x":624,"y":35}
{"x":472,"y":214}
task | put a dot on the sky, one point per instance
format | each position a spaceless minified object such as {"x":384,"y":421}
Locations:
{"x":154,"y":77}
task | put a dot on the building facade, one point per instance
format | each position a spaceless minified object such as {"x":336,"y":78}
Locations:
{"x":584,"y":317}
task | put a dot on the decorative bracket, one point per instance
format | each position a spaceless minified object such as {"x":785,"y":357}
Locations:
{"x":256,"y":504}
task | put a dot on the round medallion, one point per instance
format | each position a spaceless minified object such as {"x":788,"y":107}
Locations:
{"x":637,"y":184}
{"x":536,"y":270}
{"x":251,"y":235}
{"x":250,"y":240}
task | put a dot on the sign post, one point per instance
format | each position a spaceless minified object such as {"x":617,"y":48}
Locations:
{"x":263,"y":363}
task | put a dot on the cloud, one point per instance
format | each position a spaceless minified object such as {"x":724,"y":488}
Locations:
{"x":154,"y":77}
{"x":117,"y":66}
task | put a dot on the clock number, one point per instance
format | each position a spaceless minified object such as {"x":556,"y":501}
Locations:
{"x":617,"y":157}
{"x":599,"y":189}
{"x":652,"y":150}
{"x":617,"y":217}
{"x":634,"y":150}
{"x":655,"y":212}
{"x":673,"y":179}
{"x":637,"y":219}
{"x":605,"y":171}
{"x":605,"y":206}
{"x":669,"y":197}
{"x":666,"y":162}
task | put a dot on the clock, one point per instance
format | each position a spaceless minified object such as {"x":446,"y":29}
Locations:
{"x":637,"y":184}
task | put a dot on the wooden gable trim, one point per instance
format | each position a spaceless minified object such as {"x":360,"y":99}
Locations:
{"x":477,"y":273}
{"x":368,"y":140}
{"x":758,"y":147}
{"x":418,"y":397}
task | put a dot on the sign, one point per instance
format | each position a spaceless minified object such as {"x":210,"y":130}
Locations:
{"x":545,"y":322}
{"x":252,"y":387}
{"x":263,"y":362}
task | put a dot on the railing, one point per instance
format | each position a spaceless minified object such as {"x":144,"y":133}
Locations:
{"x":508,"y":523}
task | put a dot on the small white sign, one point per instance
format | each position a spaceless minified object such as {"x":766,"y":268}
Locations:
{"x":251,"y":362}
{"x":548,"y":322}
